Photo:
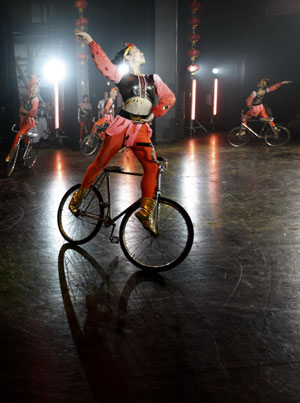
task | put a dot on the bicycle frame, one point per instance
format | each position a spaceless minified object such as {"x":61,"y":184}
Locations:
{"x":258,"y":135}
{"x":17,"y":146}
{"x":108,"y":220}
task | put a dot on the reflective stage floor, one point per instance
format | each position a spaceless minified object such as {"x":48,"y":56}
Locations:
{"x":82,"y":324}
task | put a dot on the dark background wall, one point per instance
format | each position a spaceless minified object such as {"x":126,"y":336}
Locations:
{"x":246,"y":45}
{"x":237,"y":37}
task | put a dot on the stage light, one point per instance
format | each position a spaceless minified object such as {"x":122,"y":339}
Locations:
{"x":215,"y":98}
{"x":123,"y":68}
{"x":193,"y":101}
{"x":215,"y":70}
{"x":54,"y":70}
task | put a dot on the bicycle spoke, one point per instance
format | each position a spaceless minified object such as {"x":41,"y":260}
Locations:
{"x":79,"y":228}
{"x":157,"y":252}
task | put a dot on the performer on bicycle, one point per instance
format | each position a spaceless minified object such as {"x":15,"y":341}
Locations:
{"x":109,"y":109}
{"x":132,"y":125}
{"x":255,"y":99}
{"x":28,"y":110}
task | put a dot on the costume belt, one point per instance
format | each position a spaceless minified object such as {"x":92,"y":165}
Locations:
{"x":131,"y":116}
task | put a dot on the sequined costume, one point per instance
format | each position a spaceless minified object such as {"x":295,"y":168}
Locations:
{"x":123,"y":131}
{"x":255,"y":102}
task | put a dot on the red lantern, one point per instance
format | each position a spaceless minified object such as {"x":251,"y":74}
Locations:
{"x":192,"y":68}
{"x":194,"y":38}
{"x":82,"y":57}
{"x":194,"y":6}
{"x":81,"y":4}
{"x":81,"y":22}
{"x":194,"y":22}
{"x":193,"y":53}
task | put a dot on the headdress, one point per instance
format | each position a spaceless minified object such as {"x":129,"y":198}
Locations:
{"x":119,"y":58}
{"x":266,"y":80}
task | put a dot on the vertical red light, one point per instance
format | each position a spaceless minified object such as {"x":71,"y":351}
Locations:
{"x":193,"y":102}
{"x":56,"y":106}
{"x":215,"y":101}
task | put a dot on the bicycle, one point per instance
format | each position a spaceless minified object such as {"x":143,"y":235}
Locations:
{"x":92,"y":141}
{"x":29,"y":154}
{"x":143,"y":249}
{"x":274,"y":136}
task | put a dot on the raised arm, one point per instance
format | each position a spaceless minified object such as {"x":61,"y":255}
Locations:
{"x":275,"y":87}
{"x":108,"y":105}
{"x":166,"y":98}
{"x":102,"y":62}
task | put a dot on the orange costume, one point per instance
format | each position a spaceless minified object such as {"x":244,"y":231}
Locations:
{"x":28,"y":110}
{"x":128,"y":129}
{"x":123,"y":131}
{"x":255,"y":99}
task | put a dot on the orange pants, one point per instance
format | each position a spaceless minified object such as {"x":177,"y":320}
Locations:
{"x":111,"y":145}
{"x":25,"y":126}
{"x":257,"y":110}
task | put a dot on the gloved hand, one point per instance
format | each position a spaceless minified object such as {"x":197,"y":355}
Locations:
{"x":83,"y":36}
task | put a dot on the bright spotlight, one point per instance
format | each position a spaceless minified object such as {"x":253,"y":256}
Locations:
{"x":215,"y":70}
{"x":54,"y":70}
{"x":123,"y":68}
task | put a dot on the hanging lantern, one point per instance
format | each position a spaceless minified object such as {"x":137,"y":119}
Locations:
{"x":81,"y":22}
{"x":194,"y":22}
{"x":193,"y":53}
{"x":192,"y":68}
{"x":195,"y":6}
{"x":81,"y":4}
{"x":194,"y":38}
{"x":82,"y":57}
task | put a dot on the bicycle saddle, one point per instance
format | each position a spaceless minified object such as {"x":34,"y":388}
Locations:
{"x":114,"y":168}
{"x":269,"y":119}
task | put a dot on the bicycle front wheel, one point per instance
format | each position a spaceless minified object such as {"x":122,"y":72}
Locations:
{"x":238,"y":137}
{"x":89,"y":144}
{"x":30,"y":156}
{"x":162,"y":252}
{"x":81,"y":227}
{"x":12,"y":162}
{"x":277,"y":138}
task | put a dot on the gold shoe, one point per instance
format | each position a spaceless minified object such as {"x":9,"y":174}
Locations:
{"x":7,"y":159}
{"x":77,"y":199}
{"x":146,"y":214}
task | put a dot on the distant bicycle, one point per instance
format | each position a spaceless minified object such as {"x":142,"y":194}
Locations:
{"x":27,"y":154}
{"x":91,"y":143}
{"x":274,"y":136}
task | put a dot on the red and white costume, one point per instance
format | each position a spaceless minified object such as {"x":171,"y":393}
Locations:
{"x":123,"y":131}
{"x":254,"y":102}
{"x":29,"y":106}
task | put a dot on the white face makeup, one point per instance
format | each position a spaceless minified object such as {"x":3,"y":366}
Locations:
{"x":136,"y":56}
{"x":34,"y":90}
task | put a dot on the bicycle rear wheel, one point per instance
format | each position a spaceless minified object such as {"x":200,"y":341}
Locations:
{"x":30,"y":156}
{"x":89,"y":144}
{"x":81,"y":227}
{"x":277,"y":139}
{"x":12,"y":162}
{"x":162,"y":252}
{"x":238,"y":138}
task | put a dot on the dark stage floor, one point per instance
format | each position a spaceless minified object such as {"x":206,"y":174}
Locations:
{"x":84,"y":325}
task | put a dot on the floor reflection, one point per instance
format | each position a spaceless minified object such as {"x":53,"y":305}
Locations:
{"x":112,"y":328}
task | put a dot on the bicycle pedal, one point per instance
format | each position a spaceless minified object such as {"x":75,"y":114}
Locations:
{"x":114,"y":239}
